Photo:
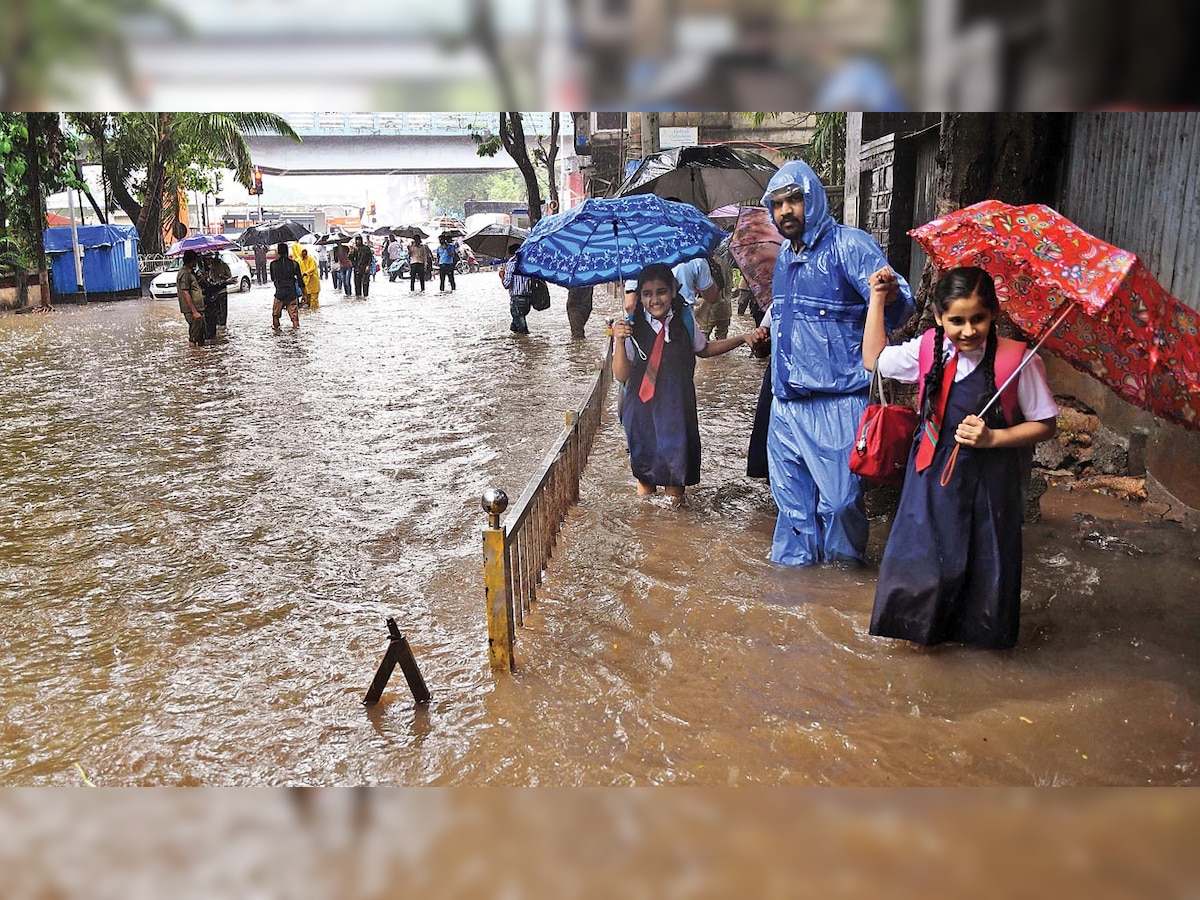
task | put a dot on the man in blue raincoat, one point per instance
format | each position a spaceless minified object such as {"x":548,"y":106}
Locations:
{"x":819,"y":305}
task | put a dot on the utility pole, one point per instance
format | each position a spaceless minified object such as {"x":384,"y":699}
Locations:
{"x":649,"y":133}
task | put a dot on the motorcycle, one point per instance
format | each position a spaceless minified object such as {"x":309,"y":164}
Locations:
{"x":398,"y":268}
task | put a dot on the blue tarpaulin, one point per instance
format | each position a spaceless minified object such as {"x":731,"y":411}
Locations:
{"x":110,"y":258}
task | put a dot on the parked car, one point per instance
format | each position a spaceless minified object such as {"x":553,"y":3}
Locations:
{"x":163,"y":285}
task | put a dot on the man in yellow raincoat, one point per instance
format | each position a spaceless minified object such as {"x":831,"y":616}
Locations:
{"x":310,"y":272}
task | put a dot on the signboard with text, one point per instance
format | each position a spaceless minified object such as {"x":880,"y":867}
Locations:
{"x":678,"y":137}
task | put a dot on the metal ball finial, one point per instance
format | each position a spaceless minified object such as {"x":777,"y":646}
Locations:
{"x":494,"y":502}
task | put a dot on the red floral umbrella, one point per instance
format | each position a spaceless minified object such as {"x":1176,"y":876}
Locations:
{"x":754,"y":246}
{"x":1114,"y":320}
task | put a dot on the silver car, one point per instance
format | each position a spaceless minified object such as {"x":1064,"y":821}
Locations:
{"x":163,"y":285}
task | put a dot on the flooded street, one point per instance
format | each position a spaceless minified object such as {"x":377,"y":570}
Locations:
{"x":198,"y":549}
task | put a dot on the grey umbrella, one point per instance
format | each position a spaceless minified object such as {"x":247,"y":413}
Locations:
{"x":494,"y":240}
{"x":706,"y":177}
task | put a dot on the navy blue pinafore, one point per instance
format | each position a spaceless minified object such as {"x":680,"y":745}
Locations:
{"x":663,"y":435}
{"x":952,"y":567}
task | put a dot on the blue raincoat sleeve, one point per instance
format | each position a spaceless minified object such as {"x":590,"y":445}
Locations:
{"x":861,"y":257}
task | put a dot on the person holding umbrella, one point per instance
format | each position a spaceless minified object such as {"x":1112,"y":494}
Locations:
{"x":191,"y":298}
{"x":289,"y":286}
{"x":951,"y":570}
{"x":662,"y":428}
{"x":814,"y":332}
{"x":418,"y":263}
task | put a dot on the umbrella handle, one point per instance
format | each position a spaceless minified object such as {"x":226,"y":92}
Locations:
{"x":948,"y":471}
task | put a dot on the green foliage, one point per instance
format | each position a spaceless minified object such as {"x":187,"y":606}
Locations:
{"x":148,"y":158}
{"x":826,"y":153}
{"x":449,"y":193}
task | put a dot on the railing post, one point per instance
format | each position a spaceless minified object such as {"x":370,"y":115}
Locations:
{"x":496,"y":583}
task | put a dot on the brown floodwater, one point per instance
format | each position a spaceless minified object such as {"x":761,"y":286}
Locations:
{"x":198,"y":549}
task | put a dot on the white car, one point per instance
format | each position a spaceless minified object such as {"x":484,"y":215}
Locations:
{"x":163,"y":285}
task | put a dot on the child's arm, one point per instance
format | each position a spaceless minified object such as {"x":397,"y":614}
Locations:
{"x":716,"y":348}
{"x":974,"y":433}
{"x":883,"y":286}
{"x":621,"y":329}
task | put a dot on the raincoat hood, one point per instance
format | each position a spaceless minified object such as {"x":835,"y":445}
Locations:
{"x":817,"y":220}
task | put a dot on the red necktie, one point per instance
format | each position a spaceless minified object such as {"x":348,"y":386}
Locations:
{"x":933,"y":425}
{"x":646,"y":391}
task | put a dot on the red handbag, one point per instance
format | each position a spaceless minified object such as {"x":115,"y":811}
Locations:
{"x":884,"y":438}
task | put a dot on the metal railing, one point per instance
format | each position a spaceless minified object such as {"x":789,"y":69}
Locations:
{"x":516,"y":553}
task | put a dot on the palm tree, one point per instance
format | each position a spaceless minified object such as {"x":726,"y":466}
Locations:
{"x":149,"y":154}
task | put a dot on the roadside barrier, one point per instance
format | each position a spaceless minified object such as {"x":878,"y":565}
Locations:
{"x":515,"y":554}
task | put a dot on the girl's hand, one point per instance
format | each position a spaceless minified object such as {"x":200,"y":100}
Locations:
{"x":885,"y":285}
{"x":759,"y":338}
{"x":974,"y":433}
{"x":622,"y":329}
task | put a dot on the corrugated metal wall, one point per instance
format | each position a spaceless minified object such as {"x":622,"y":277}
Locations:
{"x":1133,"y":179}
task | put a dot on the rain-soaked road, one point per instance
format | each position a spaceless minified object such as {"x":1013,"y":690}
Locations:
{"x":198,"y":550}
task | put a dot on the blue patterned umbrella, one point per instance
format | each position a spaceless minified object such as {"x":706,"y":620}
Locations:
{"x":612,"y":239}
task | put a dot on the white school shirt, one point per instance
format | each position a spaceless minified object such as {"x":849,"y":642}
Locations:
{"x":903,"y":363}
{"x":699,"y":341}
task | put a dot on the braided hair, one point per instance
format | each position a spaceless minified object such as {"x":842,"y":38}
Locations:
{"x":956,"y":284}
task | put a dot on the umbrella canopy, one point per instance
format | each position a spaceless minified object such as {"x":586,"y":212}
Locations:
{"x":614,"y":239}
{"x":409,"y":231}
{"x":450,"y":234}
{"x":201,"y":243}
{"x":1118,"y":324}
{"x":726,"y":216}
{"x":272,"y":233}
{"x":494,"y":240}
{"x":754,"y":246}
{"x":326,"y":239}
{"x":706,"y":177}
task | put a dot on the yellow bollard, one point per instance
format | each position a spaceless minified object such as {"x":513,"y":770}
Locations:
{"x":498,"y":597}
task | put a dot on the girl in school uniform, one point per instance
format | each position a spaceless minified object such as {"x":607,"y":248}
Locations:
{"x":662,"y":427}
{"x":951,"y":570}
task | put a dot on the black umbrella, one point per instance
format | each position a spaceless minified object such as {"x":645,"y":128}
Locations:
{"x":706,"y":177}
{"x":331,"y":238}
{"x":273,"y":233}
{"x":450,"y":233}
{"x":494,"y":240}
{"x":409,"y":231}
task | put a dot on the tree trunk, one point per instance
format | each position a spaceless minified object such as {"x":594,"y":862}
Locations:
{"x":1011,"y":157}
{"x":37,"y":205}
{"x":150,"y":222}
{"x":512,"y":135}
{"x":551,"y":157}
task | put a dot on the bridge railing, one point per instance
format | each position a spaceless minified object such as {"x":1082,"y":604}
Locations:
{"x":516,"y":553}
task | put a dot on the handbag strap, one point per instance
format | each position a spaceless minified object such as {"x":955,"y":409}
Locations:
{"x":876,"y":392}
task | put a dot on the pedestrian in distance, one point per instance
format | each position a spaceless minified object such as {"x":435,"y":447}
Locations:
{"x":447,"y":257}
{"x":418,"y":264}
{"x":310,"y":275}
{"x":362,"y":258}
{"x":656,"y":361}
{"x":344,"y":271}
{"x":260,"y":263}
{"x":191,"y":298}
{"x":951,"y":570}
{"x":520,"y":291}
{"x":289,"y":287}
{"x":813,"y":332}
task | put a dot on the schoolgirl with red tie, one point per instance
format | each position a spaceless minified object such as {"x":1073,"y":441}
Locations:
{"x":655,"y":358}
{"x":951,"y":570}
